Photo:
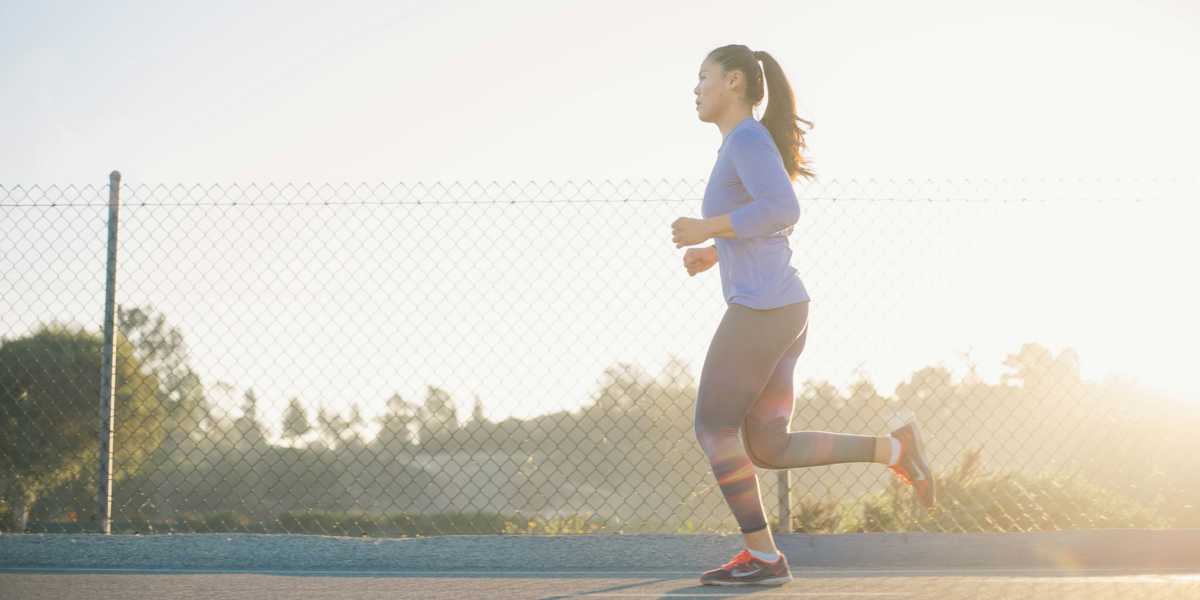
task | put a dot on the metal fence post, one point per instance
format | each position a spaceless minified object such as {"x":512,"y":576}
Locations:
{"x":785,"y":500}
{"x":108,"y":366}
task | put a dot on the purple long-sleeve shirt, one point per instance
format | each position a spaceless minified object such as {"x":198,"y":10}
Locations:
{"x":750,"y":183}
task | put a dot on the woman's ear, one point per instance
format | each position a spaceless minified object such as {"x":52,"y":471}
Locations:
{"x":732,"y":80}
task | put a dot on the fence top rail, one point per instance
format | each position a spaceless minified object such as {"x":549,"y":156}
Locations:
{"x":615,"y":191}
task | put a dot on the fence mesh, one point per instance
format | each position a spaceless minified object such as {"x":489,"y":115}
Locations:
{"x":361,"y":359}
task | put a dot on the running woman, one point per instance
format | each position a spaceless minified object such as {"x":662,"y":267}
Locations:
{"x":749,"y":210}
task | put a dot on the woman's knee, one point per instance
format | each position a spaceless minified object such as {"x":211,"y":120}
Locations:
{"x":762,"y":446}
{"x":716,"y":441}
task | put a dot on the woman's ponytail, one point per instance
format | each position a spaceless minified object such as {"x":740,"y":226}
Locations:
{"x":780,"y":117}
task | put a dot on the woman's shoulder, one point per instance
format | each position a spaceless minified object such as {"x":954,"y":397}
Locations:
{"x":749,"y":135}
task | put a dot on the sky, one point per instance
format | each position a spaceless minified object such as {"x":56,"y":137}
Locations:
{"x":405,"y":93}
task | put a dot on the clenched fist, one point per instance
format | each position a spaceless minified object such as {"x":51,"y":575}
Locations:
{"x":696,"y":260}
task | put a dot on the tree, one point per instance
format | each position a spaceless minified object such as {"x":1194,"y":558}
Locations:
{"x":438,"y":416}
{"x":191,"y":416}
{"x":247,"y":426}
{"x":971,"y":378}
{"x":926,"y":385}
{"x":161,"y":351}
{"x":677,"y":374}
{"x":623,"y":386}
{"x":395,"y":432}
{"x":353,"y":438}
{"x":49,"y":393}
{"x":295,"y":421}
{"x":477,"y":417}
{"x":1036,"y":367}
{"x":339,"y":430}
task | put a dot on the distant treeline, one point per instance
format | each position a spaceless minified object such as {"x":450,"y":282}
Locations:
{"x":1060,"y":452}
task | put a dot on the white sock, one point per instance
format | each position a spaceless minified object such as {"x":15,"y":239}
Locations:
{"x":767,"y":556}
{"x":895,"y":451}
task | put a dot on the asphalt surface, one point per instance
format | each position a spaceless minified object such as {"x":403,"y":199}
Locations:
{"x":1091,"y":564}
{"x":808,"y":584}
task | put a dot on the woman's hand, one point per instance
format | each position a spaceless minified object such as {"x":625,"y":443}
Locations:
{"x":696,"y":260}
{"x":686,"y":231}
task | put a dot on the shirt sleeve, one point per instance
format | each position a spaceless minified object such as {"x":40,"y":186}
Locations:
{"x":773,"y":206}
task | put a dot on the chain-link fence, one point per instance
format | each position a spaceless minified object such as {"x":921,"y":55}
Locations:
{"x":522,"y":357}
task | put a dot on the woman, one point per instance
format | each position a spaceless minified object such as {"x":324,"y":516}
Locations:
{"x":749,"y":210}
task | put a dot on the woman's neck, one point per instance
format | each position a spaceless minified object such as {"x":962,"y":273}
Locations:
{"x":728,"y":122}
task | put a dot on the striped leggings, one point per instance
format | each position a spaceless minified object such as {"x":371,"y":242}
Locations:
{"x":746,"y":386}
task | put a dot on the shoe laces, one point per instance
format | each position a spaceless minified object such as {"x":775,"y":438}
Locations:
{"x":739,"y":558}
{"x":901,"y":472}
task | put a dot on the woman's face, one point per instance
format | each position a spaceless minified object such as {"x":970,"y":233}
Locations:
{"x":713,"y":91}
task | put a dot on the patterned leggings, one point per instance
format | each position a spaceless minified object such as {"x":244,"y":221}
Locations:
{"x":746,"y":386}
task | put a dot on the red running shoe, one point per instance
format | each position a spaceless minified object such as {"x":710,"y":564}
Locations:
{"x":911,"y":466}
{"x":745,"y":569}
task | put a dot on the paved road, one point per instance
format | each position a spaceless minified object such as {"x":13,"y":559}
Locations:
{"x":1032,"y":585}
{"x":1092,"y":564}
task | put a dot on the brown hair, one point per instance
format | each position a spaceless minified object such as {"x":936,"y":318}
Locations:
{"x":780,"y":115}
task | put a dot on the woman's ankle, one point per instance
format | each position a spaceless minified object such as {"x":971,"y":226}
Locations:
{"x":883,"y":449}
